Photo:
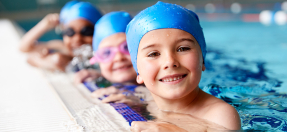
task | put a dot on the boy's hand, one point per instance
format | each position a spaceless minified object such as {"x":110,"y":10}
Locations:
{"x":115,"y":95}
{"x":59,"y":61}
{"x":50,"y":21}
{"x":86,"y":75}
{"x":130,"y":100}
{"x":105,"y":91}
{"x":151,"y":126}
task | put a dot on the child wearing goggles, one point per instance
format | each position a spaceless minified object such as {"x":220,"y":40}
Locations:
{"x":77,"y":20}
{"x":111,"y":53}
{"x":167,"y":48}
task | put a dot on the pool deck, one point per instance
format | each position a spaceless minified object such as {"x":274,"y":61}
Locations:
{"x":27,"y":101}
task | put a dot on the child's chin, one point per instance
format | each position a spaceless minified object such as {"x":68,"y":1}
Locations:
{"x":123,"y":70}
{"x":120,"y":78}
{"x":173,"y":95}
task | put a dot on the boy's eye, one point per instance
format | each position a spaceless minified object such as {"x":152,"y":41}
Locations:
{"x":181,"y":49}
{"x":153,"y":54}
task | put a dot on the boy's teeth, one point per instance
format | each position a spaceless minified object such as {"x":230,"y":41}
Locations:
{"x":172,"y":79}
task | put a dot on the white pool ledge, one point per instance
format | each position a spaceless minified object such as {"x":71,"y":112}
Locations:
{"x":27,"y":101}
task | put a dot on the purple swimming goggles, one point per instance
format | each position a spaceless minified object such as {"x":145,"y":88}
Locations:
{"x":107,"y":54}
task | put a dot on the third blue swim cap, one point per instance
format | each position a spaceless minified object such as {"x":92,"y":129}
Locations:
{"x":65,"y":10}
{"x":159,"y":16}
{"x":82,"y":10}
{"x":109,"y":24}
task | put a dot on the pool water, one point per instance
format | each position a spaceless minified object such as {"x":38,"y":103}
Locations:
{"x":246,"y":67}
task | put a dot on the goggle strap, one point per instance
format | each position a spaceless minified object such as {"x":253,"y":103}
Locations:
{"x":93,"y":60}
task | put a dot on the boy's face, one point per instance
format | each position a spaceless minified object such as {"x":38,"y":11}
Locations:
{"x":169,"y":62}
{"x":120,"y":69}
{"x":82,"y":34}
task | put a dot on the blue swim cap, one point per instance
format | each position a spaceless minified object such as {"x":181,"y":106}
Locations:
{"x":109,"y":24}
{"x":65,"y":10}
{"x":83,"y":10}
{"x":159,"y":16}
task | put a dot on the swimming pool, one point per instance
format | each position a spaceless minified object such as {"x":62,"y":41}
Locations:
{"x":246,"y":67}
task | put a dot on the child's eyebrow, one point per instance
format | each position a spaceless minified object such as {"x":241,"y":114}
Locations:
{"x":149,"y":46}
{"x":185,"y":39}
{"x":177,"y":41}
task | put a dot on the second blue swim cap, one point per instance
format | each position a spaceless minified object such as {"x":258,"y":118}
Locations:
{"x":159,"y":16}
{"x":109,"y":24}
{"x":80,"y":10}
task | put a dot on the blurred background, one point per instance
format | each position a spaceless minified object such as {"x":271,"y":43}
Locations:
{"x":29,"y":12}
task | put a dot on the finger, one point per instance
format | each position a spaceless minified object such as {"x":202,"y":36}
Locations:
{"x":113,"y":98}
{"x":138,"y":126}
{"x":94,"y":73}
{"x":88,"y":79}
{"x":80,"y":76}
{"x":98,"y":93}
{"x":55,"y":17}
{"x":105,"y":91}
{"x":127,"y":102}
{"x":44,"y":52}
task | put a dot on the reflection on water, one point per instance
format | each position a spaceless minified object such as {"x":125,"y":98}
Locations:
{"x":246,"y":68}
{"x":246,"y":86}
{"x":258,"y":107}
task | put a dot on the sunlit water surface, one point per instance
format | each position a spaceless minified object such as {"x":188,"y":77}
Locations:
{"x":246,"y":67}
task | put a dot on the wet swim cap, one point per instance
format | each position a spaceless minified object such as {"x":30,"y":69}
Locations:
{"x":83,"y":10}
{"x":109,"y":24}
{"x":159,"y":16}
{"x":65,"y":10}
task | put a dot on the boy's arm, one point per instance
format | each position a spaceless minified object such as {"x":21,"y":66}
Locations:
{"x":54,"y":61}
{"x":29,"y":40}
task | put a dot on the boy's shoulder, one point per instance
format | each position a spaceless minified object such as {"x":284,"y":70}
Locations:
{"x":222,"y":113}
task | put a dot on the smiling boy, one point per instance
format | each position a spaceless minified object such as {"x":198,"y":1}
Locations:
{"x":167,"y":48}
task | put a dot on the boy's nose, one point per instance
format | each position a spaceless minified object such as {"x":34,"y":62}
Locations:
{"x":170,"y":62}
{"x":76,"y":40}
{"x":119,"y":56}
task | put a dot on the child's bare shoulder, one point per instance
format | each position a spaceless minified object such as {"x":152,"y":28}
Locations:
{"x":223,"y":114}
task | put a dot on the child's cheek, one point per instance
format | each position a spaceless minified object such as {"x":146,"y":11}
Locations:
{"x":128,"y":57}
{"x":106,"y":70}
{"x":194,"y":63}
{"x":67,"y":42}
{"x":149,"y":70}
{"x":87,"y":40}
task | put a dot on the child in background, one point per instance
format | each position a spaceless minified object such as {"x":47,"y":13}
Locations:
{"x":77,"y":20}
{"x":112,"y":55}
{"x":167,"y":48}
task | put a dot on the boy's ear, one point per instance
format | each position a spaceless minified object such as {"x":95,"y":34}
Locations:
{"x":139,"y":80}
{"x":203,"y":67}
